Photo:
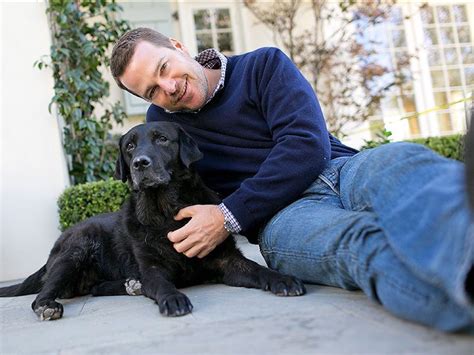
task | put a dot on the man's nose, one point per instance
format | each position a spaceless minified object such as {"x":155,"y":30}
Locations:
{"x":168,"y":85}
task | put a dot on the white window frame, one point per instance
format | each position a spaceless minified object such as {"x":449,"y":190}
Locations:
{"x":186,"y":10}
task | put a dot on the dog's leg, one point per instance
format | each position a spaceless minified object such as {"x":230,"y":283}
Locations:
{"x":241,"y":272}
{"x":156,"y":285}
{"x":60,"y":278}
{"x":129,"y":286}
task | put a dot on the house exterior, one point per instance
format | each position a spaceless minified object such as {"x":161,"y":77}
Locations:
{"x":33,"y":165}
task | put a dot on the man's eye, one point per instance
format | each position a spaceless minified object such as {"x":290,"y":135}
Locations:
{"x":130,"y":147}
{"x":152,"y":93}
{"x":163,"y":67}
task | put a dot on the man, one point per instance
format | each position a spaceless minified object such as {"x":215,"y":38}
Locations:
{"x":392,"y":221}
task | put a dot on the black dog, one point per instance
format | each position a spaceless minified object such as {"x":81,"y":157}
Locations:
{"x":111,"y":254}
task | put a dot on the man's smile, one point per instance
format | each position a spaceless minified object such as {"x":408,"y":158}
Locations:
{"x":184,"y":91}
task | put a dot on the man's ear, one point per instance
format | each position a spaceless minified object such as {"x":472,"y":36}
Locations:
{"x":179,"y":46}
{"x":122,"y":171}
{"x":188,"y":149}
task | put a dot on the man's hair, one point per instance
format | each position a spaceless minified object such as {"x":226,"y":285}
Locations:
{"x":124,"y":49}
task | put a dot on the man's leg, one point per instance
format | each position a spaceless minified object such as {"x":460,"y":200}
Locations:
{"x":421,"y":204}
{"x":318,"y":241}
{"x":469,"y":159}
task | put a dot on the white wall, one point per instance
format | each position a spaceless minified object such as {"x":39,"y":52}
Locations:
{"x":33,"y":170}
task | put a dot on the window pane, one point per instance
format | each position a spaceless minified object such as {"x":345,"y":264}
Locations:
{"x":456,"y":95}
{"x":409,"y":106}
{"x":440,"y":98}
{"x":451,"y":56}
{"x":469,"y":73}
{"x":437,"y":78}
{"x":447,"y":35}
{"x":463,"y":34}
{"x":396,"y":16}
{"x":454,"y":77}
{"x":223,"y":18}
{"x":467,"y":55}
{"x":460,"y":14}
{"x":399,"y":39}
{"x":226,"y":45}
{"x":402,"y":58}
{"x":204,"y":41}
{"x":434,"y":57}
{"x":202,"y":19}
{"x":427,"y":15}
{"x":444,"y":119}
{"x":443,"y":14}
{"x":430,"y":37}
{"x":408,"y":102}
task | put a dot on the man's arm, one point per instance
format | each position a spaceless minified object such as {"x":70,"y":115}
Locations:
{"x":302,"y":148}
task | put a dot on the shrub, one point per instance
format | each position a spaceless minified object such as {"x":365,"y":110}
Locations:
{"x":82,"y":201}
{"x":382,"y":137}
{"x":448,"y":146}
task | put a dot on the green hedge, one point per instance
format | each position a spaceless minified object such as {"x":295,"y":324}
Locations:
{"x":448,"y":146}
{"x":85,"y":200}
{"x":82,"y":201}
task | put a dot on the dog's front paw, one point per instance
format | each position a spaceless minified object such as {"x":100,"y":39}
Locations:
{"x":175,"y":305}
{"x":48,"y":310}
{"x":286,"y":286}
{"x":133,"y":287}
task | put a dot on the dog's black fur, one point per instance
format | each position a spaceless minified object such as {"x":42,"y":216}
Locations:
{"x":110,"y":254}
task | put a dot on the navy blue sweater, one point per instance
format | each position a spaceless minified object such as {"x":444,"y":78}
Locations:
{"x":263,"y":137}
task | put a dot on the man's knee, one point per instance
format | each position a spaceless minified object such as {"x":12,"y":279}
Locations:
{"x":398,"y":152}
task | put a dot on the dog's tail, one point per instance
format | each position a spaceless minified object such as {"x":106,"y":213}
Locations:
{"x":31,"y":285}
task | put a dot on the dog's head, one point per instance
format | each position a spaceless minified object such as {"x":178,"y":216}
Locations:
{"x":150,"y":153}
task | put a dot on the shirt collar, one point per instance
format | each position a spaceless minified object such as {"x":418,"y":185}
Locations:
{"x":211,"y":59}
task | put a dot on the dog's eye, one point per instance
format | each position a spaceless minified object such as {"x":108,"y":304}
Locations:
{"x":162,"y":139}
{"x":130,"y":147}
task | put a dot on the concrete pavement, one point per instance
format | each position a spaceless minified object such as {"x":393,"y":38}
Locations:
{"x":225,"y":320}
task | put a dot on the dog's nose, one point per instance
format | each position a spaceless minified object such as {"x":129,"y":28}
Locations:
{"x":141,"y":162}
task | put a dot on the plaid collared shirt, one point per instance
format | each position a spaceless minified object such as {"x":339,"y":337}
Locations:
{"x":213,"y":59}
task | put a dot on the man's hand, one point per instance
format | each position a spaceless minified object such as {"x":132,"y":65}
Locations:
{"x":202,"y":234}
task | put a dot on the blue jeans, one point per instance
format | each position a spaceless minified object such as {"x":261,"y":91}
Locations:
{"x":393,"y":221}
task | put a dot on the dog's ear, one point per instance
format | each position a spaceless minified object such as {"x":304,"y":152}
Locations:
{"x":188,"y":149}
{"x":122,"y":171}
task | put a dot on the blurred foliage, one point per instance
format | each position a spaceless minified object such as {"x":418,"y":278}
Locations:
{"x":448,"y":146}
{"x":382,"y":137}
{"x":341,"y":48}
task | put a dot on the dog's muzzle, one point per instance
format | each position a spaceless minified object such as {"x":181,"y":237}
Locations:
{"x":144,"y":176}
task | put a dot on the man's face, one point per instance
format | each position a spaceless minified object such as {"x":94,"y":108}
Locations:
{"x":169,"y":78}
